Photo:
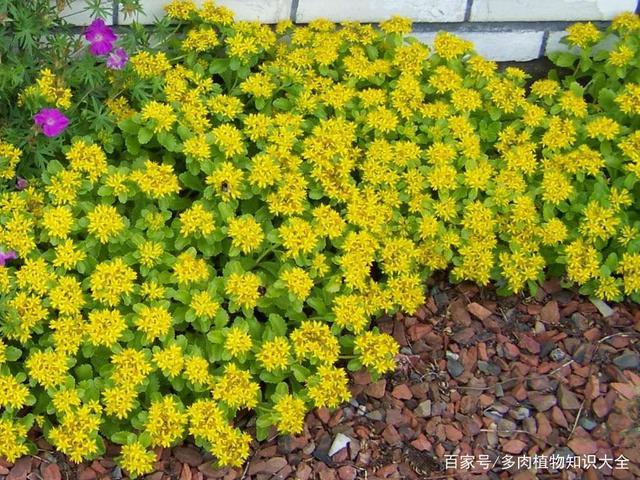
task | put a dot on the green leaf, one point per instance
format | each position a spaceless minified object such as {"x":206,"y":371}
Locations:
{"x":354,"y":365}
{"x":123,"y":438}
{"x":145,"y":135}
{"x":300,"y":373}
{"x":84,"y":372}
{"x":278,"y":325}
{"x":129,"y":126}
{"x":282,"y":104}
{"x":606,"y":98}
{"x":563,"y":59}
{"x":12,"y":353}
{"x":218,"y":65}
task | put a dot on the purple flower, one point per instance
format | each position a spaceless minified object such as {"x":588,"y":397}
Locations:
{"x":52,"y":121}
{"x":6,"y":256}
{"x":100,"y":36}
{"x":21,"y":183}
{"x":117,"y":59}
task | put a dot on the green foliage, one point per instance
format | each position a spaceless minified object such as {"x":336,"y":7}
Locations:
{"x":222,"y":219}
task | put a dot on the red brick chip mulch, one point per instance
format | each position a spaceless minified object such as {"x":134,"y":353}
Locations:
{"x":486,"y":387}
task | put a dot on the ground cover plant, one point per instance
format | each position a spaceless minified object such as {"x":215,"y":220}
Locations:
{"x":252,"y":197}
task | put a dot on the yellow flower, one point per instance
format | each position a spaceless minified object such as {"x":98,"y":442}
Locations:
{"x":68,"y":333}
{"x":603,"y":127}
{"x":35,"y":276}
{"x":76,"y":434}
{"x":621,"y":55}
{"x":560,"y":134}
{"x":481,"y":67}
{"x":582,"y":261}
{"x":13,"y":435}
{"x":196,"y":369}
{"x":166,"y":422}
{"x":135,"y":458}
{"x":110,"y":280}
{"x":229,"y":139}
{"x":608,"y":288}
{"x":407,"y":291}
{"x":196,"y":219}
{"x":520,"y":267}
{"x":119,"y":400}
{"x":545,"y":88}
{"x":154,"y":322}
{"x":149,"y":252}
{"x":313,"y":339}
{"x":246,"y":233}
{"x":382,"y":120}
{"x":396,"y":24}
{"x":156,"y":180}
{"x":66,"y":400}
{"x":554,"y":231}
{"x":148,"y":65}
{"x":226,"y":181}
{"x":88,"y":159}
{"x":131,"y":367}
{"x":319,"y":265}
{"x":170,"y":360}
{"x":599,"y":222}
{"x":48,"y":368}
{"x":197,"y":147}
{"x":275,"y":354}
{"x":377,"y":351}
{"x":466,"y":99}
{"x":51,"y":88}
{"x":189,"y":269}
{"x":259,"y":85}
{"x":231,"y":447}
{"x":298,"y":236}
{"x":237,"y":342}
{"x":116,"y":182}
{"x":13,"y":394}
{"x":583,"y":34}
{"x":67,"y":296}
{"x":63,"y":187}
{"x":328,"y":388}
{"x":291,"y":411}
{"x":629,"y":99}
{"x":119,"y":107}
{"x":152,"y":290}
{"x":9,"y":159}
{"x":206,"y":420}
{"x":236,"y":388}
{"x":57,"y":221}
{"x":573,"y":104}
{"x":105,"y":222}
{"x":297,"y":281}
{"x":67,"y":255}
{"x":626,"y":21}
{"x":630,"y":269}
{"x":244,"y":288}
{"x":201,"y":39}
{"x":204,"y":305}
{"x":226,"y":106}
{"x":449,"y":46}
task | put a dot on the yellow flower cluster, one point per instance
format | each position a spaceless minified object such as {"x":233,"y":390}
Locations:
{"x":13,"y":434}
{"x":9,"y":159}
{"x":247,"y":230}
{"x":50,"y":88}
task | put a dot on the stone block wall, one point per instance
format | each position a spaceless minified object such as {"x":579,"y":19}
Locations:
{"x":502,"y":30}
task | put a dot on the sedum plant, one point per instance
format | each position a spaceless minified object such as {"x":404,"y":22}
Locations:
{"x":254,"y":197}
